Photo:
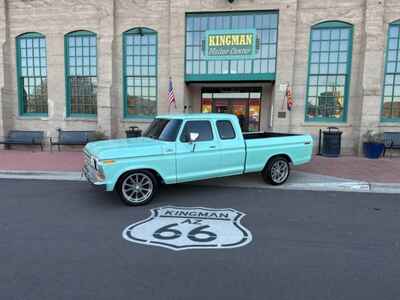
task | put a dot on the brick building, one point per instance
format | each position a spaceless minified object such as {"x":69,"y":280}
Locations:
{"x":105,"y":65}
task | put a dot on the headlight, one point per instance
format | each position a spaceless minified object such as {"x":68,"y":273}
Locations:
{"x":100,"y":173}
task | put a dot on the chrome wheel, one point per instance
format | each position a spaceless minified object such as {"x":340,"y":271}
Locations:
{"x":279,"y":171}
{"x":137,"y":187}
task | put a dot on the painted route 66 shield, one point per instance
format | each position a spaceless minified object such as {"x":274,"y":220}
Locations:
{"x":180,"y":228}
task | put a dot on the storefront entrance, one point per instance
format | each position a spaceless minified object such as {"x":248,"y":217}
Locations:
{"x":245,"y":103}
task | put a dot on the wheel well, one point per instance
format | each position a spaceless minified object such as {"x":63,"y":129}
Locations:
{"x":160,"y":180}
{"x":287,"y":157}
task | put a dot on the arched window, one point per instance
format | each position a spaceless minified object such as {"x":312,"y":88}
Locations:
{"x":391,"y":90}
{"x":140,"y":73}
{"x":81,"y":73}
{"x":329,"y":71}
{"x":32,"y":74}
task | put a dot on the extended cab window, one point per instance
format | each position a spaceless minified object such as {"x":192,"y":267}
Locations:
{"x":203,"y":128}
{"x":225,"y":130}
{"x":163,"y":129}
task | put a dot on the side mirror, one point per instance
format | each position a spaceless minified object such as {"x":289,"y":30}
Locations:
{"x":193,"y":136}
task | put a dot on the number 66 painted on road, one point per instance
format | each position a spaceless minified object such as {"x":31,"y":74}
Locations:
{"x":194,"y":235}
{"x":181,"y":228}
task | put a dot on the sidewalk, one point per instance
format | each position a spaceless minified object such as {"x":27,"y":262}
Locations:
{"x":346,"y":173}
{"x":384,"y":170}
{"x":71,"y":161}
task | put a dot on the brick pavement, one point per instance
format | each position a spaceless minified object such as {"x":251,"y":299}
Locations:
{"x":385,"y":170}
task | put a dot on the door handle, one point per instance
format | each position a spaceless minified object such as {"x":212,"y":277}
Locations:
{"x":213,"y":147}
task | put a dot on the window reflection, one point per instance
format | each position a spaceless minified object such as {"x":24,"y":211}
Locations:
{"x":266,"y":24}
{"x":391,"y":91}
{"x":82,"y":72}
{"x":328,"y":72}
{"x":140,"y":48}
{"x":32,"y":69}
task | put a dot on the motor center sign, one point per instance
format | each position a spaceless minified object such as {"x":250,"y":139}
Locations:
{"x":230,"y":44}
{"x":180,"y":228}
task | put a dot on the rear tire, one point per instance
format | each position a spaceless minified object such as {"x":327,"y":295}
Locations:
{"x":137,"y":188}
{"x":277,"y":171}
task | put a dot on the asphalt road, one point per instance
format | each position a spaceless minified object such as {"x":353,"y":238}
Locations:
{"x":63,"y":240}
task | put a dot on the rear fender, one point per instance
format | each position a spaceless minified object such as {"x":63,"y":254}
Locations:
{"x":285,"y":155}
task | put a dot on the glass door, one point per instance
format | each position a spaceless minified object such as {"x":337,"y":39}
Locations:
{"x":254,"y":115}
{"x":221,"y":107}
{"x":240,"y":109}
{"x":244,"y":103}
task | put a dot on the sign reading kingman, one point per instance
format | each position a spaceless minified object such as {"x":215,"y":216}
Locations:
{"x":230,"y":44}
{"x":181,"y":228}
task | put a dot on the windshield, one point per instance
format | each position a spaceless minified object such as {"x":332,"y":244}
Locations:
{"x":163,"y":129}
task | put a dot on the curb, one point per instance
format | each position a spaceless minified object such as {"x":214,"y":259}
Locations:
{"x":41,"y":175}
{"x":336,"y":184}
{"x":385,"y":188}
{"x":345,"y":186}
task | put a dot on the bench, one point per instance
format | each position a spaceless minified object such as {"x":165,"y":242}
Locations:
{"x":391,"y":140}
{"x":72,"y":138}
{"x":22,"y":137}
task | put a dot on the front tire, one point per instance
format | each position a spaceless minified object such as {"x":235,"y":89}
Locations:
{"x":277,"y":171}
{"x":137,"y":188}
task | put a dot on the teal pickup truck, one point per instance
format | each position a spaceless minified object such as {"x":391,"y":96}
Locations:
{"x":182,"y":148}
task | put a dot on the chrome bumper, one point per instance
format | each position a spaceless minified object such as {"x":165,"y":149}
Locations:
{"x":90,"y":175}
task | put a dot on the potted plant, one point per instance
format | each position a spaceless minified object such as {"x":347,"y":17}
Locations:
{"x":373,"y":145}
{"x":98,"y":136}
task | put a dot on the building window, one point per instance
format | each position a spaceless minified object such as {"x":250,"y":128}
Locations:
{"x":81,"y":73}
{"x":32,"y":74}
{"x":261,"y":66}
{"x":329,"y":71}
{"x":391,"y":92}
{"x":140,"y":73}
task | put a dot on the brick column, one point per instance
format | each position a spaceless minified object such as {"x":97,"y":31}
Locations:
{"x":285,"y":62}
{"x":56,"y":83}
{"x":373,"y":68}
{"x":176,"y":55}
{"x":105,"y":67}
{"x":3,"y":38}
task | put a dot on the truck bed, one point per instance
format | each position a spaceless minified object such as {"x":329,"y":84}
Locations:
{"x":265,"y":135}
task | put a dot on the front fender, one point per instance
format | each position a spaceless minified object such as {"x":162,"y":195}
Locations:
{"x":164,"y":166}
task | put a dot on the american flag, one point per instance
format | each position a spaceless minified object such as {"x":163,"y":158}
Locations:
{"x":290,"y":100}
{"x":171,"y":93}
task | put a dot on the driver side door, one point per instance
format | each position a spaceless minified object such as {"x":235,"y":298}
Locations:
{"x":200,"y":159}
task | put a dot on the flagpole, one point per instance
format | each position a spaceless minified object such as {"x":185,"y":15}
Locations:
{"x":169,"y":102}
{"x":171,"y":94}
{"x":169,"y":52}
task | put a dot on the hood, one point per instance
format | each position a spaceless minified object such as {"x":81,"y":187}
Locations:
{"x":124,"y":148}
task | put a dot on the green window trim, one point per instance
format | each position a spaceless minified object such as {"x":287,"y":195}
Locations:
{"x":81,"y":74}
{"x":260,"y":68}
{"x":31,"y":58}
{"x":329,"y":72}
{"x":140,"y":73}
{"x":390,"y":103}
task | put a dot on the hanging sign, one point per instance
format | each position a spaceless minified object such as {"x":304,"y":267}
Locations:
{"x":283,"y":87}
{"x":230,"y":44}
{"x":181,"y":228}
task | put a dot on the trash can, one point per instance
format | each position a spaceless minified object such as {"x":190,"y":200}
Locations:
{"x":332,"y":142}
{"x":133,"y":132}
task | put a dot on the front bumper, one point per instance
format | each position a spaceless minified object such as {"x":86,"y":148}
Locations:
{"x":91,"y":176}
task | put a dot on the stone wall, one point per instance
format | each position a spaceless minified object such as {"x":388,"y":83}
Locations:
{"x":110,"y":18}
